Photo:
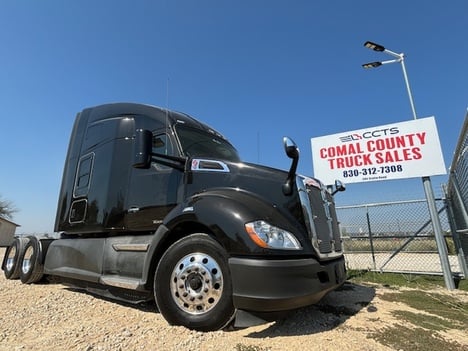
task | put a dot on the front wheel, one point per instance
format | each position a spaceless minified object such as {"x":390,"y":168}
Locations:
{"x":192,"y":284}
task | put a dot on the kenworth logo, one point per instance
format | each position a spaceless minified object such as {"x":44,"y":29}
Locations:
{"x":370,"y":134}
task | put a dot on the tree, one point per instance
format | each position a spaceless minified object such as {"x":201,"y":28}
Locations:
{"x":7,"y":209}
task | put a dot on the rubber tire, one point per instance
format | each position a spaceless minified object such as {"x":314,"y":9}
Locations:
{"x":14,"y":271}
{"x":35,"y":271}
{"x":219,"y":315}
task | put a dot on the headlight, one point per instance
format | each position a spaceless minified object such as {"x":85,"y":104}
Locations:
{"x":268,"y":236}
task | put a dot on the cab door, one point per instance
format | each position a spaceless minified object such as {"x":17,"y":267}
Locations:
{"x":153,"y":192}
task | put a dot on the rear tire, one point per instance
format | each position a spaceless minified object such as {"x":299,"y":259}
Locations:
{"x":32,"y":267}
{"x":12,"y":260}
{"x":192,"y":284}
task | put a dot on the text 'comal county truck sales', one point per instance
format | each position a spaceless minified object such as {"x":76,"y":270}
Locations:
{"x":375,"y":152}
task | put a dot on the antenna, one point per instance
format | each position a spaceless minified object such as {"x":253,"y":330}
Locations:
{"x":167,"y":93}
{"x":258,"y":147}
{"x":167,"y":114}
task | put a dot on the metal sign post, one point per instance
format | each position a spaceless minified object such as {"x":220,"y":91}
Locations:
{"x":443,"y":254}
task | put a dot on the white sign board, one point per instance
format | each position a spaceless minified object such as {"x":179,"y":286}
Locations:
{"x":393,"y":151}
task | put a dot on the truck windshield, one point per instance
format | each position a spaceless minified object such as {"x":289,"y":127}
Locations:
{"x":198,"y":143}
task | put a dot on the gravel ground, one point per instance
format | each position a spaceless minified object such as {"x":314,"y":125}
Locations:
{"x":56,"y":317}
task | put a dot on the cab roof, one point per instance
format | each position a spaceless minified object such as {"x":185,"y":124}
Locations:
{"x":163,"y":115}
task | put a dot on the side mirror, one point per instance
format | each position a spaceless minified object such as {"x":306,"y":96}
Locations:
{"x":339,"y":186}
{"x":290,"y":148}
{"x":142,"y":148}
{"x":292,"y":151}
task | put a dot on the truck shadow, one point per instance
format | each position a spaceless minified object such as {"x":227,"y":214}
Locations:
{"x":333,"y":310}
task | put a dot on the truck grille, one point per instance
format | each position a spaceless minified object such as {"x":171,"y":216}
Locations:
{"x":319,"y":210}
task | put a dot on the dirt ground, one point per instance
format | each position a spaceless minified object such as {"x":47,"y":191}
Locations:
{"x":56,"y":317}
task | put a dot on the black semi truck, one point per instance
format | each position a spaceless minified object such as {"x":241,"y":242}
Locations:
{"x":156,"y":205}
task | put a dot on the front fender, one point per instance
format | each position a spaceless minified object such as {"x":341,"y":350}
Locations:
{"x":224,"y":212}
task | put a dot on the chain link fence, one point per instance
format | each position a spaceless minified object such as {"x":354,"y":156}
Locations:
{"x":395,"y":237}
{"x":457,"y":197}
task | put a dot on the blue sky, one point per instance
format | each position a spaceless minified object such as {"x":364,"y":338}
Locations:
{"x":254,"y":70}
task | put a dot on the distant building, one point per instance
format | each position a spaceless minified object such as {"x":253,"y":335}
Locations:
{"x":7,"y":231}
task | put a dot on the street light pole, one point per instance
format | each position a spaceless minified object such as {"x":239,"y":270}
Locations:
{"x":436,"y":226}
{"x":399,"y":58}
{"x":408,"y":86}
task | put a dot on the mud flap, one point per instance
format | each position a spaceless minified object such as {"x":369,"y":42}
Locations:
{"x":246,"y":319}
{"x":340,"y":273}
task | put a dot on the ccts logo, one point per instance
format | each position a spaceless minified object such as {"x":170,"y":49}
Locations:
{"x":377,"y":133}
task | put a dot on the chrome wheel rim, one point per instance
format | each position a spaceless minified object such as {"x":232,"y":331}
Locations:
{"x":197,"y":283}
{"x":26,"y":264}
{"x":10,"y":262}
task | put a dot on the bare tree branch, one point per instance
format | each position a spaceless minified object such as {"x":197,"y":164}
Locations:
{"x":7,"y":209}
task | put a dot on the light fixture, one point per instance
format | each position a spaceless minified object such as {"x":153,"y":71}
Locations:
{"x":374,"y":46}
{"x":372,"y":64}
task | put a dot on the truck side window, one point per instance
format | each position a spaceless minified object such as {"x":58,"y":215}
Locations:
{"x":162,"y":145}
{"x":83,"y":175}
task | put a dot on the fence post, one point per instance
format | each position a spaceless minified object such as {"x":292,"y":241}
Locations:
{"x":370,"y":238}
{"x":461,"y":254}
{"x":439,"y":236}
